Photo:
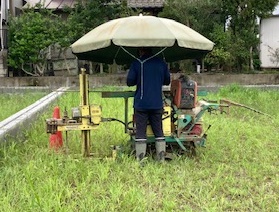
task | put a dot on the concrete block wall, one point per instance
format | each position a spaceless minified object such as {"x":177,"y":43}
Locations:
{"x":120,"y":79}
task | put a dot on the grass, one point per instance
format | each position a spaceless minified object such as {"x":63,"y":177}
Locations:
{"x":237,"y":171}
{"x":13,"y":102}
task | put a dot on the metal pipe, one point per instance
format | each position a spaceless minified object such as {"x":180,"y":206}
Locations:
{"x":84,"y":101}
{"x":126,"y":114}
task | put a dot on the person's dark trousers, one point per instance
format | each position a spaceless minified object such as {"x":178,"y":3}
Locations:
{"x":155,"y":119}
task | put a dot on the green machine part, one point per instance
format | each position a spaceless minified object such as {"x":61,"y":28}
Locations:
{"x":183,"y":120}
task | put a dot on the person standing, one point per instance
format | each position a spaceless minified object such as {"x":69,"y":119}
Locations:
{"x":148,"y":73}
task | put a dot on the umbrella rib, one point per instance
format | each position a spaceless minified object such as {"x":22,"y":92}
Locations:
{"x":159,"y":52}
{"x":128,"y":53}
{"x":141,"y":65}
{"x":116,"y":53}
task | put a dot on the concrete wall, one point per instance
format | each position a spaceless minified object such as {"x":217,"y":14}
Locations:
{"x":242,"y":79}
{"x":120,"y":79}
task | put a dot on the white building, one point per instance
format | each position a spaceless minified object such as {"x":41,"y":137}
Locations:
{"x":269,"y":41}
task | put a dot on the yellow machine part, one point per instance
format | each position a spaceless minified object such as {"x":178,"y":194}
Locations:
{"x":166,"y":123}
{"x":96,"y":113}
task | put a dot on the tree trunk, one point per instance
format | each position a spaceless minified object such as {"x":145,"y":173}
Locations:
{"x":66,"y":61}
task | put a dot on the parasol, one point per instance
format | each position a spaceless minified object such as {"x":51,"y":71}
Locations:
{"x":117,"y":40}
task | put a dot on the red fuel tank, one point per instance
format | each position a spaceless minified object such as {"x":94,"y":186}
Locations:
{"x":184,"y":93}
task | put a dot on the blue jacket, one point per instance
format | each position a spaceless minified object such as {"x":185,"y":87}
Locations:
{"x":149,"y":76}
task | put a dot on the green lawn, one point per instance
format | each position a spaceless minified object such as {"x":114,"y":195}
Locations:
{"x":13,"y":102}
{"x":237,"y":171}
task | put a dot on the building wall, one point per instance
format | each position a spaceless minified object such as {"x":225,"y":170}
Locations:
{"x":269,"y":42}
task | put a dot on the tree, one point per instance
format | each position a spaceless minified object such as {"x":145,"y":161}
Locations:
{"x":236,"y":20}
{"x":32,"y":33}
{"x":243,"y":25}
{"x":202,"y":16}
{"x":90,"y":14}
{"x":29,"y":34}
{"x":220,"y":57}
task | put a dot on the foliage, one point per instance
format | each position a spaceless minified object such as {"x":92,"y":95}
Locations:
{"x":235,"y":22}
{"x":203,"y":17}
{"x":10,"y":108}
{"x":244,"y":27}
{"x":221,"y":56}
{"x":29,"y":34}
{"x":198,"y":14}
{"x":36,"y":30}
{"x":90,"y":14}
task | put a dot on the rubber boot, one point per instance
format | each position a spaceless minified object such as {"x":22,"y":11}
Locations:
{"x":160,"y":150}
{"x":140,"y":150}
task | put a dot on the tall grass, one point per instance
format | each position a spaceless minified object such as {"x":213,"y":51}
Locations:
{"x":14,"y":102}
{"x":237,"y":171}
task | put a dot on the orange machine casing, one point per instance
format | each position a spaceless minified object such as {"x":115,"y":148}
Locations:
{"x":184,"y":93}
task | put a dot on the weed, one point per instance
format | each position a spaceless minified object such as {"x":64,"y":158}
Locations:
{"x":12,"y":103}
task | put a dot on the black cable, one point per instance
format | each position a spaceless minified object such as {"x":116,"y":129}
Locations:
{"x":113,"y":119}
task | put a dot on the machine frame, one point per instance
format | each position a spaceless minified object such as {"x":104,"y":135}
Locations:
{"x":87,"y":117}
